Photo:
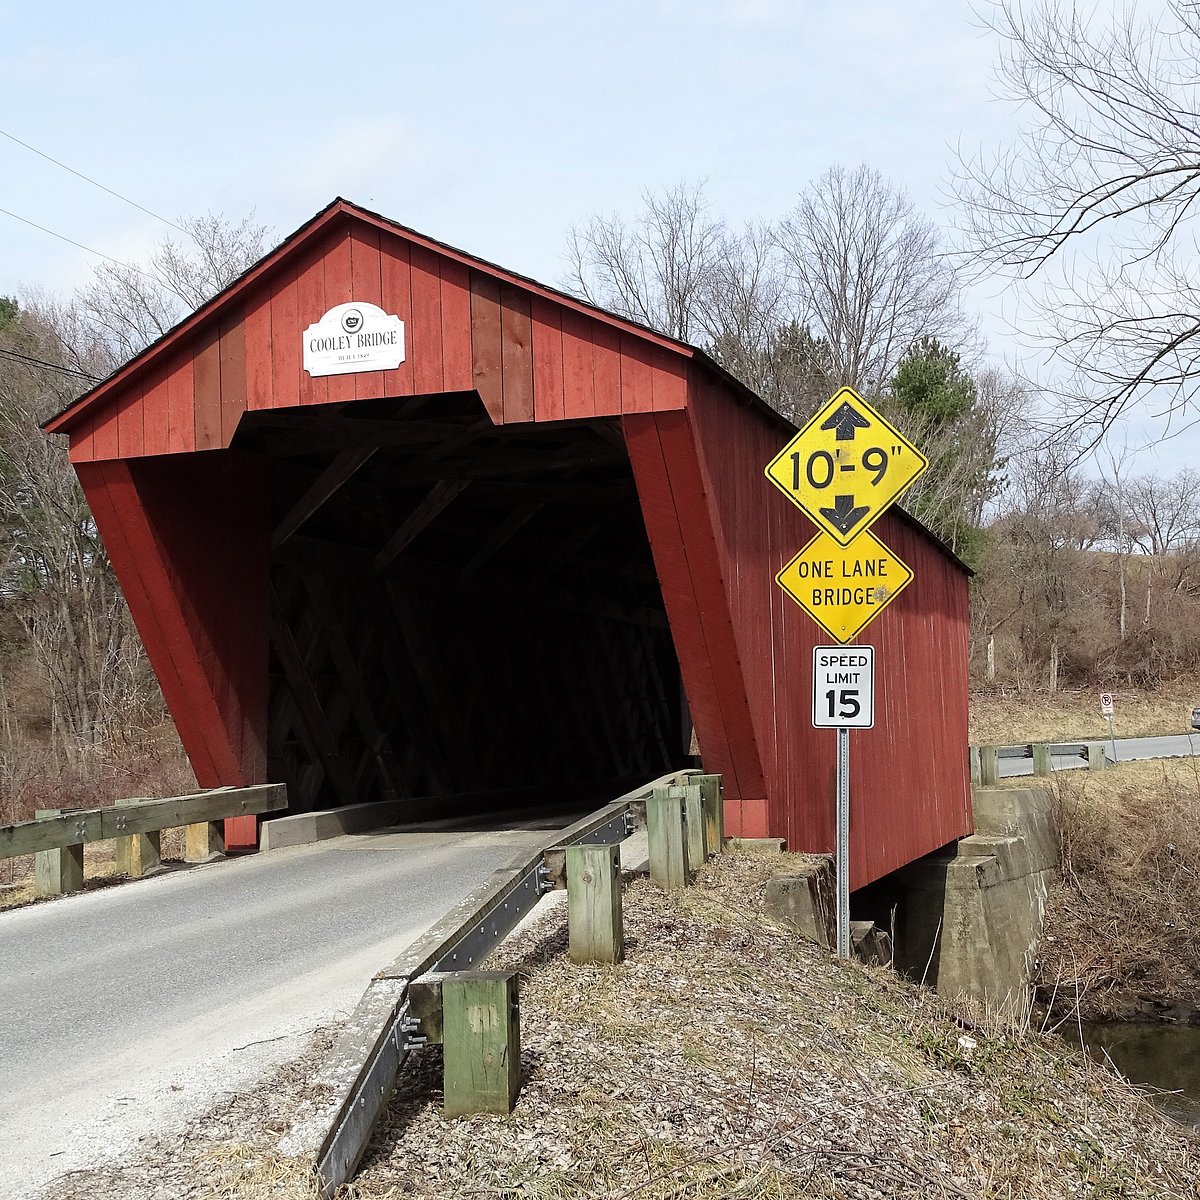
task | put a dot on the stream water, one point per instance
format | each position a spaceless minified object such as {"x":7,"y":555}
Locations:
{"x":1164,"y":1058}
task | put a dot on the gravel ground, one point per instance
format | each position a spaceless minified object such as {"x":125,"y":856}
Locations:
{"x":723,"y":1058}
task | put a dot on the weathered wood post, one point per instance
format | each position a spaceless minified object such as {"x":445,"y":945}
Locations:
{"x":57,"y":872}
{"x":138,"y":854}
{"x":594,"y":914}
{"x":714,"y":812}
{"x":1041,"y":759}
{"x":989,"y":765}
{"x":973,"y":759}
{"x":481,"y":1042}
{"x":668,"y":846}
{"x":693,"y":824}
{"x":1095,"y":756}
{"x":204,"y":841}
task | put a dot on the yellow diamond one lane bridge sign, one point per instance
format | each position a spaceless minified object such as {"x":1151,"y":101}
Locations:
{"x":846,"y":466}
{"x":844,"y":588}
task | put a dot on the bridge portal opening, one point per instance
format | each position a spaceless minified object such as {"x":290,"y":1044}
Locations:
{"x":460,"y":610}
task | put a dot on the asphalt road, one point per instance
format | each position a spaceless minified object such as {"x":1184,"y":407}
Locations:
{"x":1128,"y":750}
{"x":126,"y":1009}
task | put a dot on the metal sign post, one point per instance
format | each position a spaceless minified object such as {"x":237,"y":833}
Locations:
{"x":843,"y":842}
{"x":1106,"y":711}
{"x":845,"y":468}
{"x":843,"y":699}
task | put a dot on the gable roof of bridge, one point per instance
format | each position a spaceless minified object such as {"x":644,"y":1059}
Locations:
{"x":293,"y":248}
{"x":526,"y":347}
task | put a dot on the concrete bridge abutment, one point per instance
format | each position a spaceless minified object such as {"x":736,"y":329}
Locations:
{"x":970,"y":915}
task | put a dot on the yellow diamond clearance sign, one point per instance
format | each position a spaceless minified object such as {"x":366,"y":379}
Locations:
{"x":844,"y":469}
{"x":846,"y":466}
{"x":844,"y":588}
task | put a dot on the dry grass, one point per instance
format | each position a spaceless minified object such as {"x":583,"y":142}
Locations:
{"x":723,"y":1058}
{"x":1009,"y":718}
{"x":1121,"y":924}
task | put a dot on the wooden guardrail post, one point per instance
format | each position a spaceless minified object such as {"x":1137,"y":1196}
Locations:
{"x":1041,"y":759}
{"x":989,"y":765}
{"x":714,"y":812}
{"x":973,"y":761}
{"x":1095,"y":756}
{"x":57,"y":872}
{"x":203,"y":841}
{"x":693,"y":825}
{"x":594,"y":914}
{"x":481,"y":1042}
{"x":665,"y":833}
{"x":138,"y":854}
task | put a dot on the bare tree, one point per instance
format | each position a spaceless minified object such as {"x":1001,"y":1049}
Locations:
{"x":127,"y":306}
{"x":1094,"y":207}
{"x":657,"y":269}
{"x":868,"y":275}
{"x":55,"y":578}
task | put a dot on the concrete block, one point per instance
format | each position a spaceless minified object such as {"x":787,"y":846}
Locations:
{"x":302,"y":828}
{"x":778,"y":845}
{"x":971,"y":918}
{"x":806,"y":902}
{"x":870,"y":944}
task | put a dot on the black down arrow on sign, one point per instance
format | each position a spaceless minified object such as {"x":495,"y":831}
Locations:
{"x":843,"y":516}
{"x":846,"y":421}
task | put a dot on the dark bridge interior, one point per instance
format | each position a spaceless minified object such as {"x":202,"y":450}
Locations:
{"x":459,"y":607}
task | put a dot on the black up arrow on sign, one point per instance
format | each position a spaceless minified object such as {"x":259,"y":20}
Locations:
{"x":844,"y":422}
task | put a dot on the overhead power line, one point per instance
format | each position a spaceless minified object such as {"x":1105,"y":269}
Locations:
{"x":62,"y":237}
{"x":49,"y":366}
{"x":95,"y":183}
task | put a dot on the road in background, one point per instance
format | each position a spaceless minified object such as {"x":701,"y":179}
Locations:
{"x":1180,"y":745}
{"x":126,"y":1009}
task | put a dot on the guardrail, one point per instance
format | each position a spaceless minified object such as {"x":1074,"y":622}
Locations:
{"x":985,"y":760}
{"x":57,"y":836}
{"x":403,"y":1005}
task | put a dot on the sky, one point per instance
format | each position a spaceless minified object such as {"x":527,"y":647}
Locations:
{"x":491,"y":126}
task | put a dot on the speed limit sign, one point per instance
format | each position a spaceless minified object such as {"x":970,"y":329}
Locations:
{"x":844,"y":687}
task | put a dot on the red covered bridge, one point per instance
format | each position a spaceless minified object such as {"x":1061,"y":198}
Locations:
{"x":529,"y":557}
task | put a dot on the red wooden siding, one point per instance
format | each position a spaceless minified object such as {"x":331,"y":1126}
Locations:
{"x":195,"y":577}
{"x":189,"y":532}
{"x":917,"y":749}
{"x":530,"y":358}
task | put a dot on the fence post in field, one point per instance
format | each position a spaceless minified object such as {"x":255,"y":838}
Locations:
{"x":989,"y":765}
{"x":665,"y":832}
{"x":714,"y":812}
{"x":1041,"y":759}
{"x":594,"y":914}
{"x":481,"y":1042}
{"x":138,"y":854}
{"x":1095,"y":757}
{"x":57,"y":872}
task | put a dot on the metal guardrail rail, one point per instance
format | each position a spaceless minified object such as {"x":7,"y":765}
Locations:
{"x":376,"y":1040}
{"x":1056,"y":749}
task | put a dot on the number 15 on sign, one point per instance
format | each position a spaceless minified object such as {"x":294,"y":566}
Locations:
{"x":843,"y":687}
